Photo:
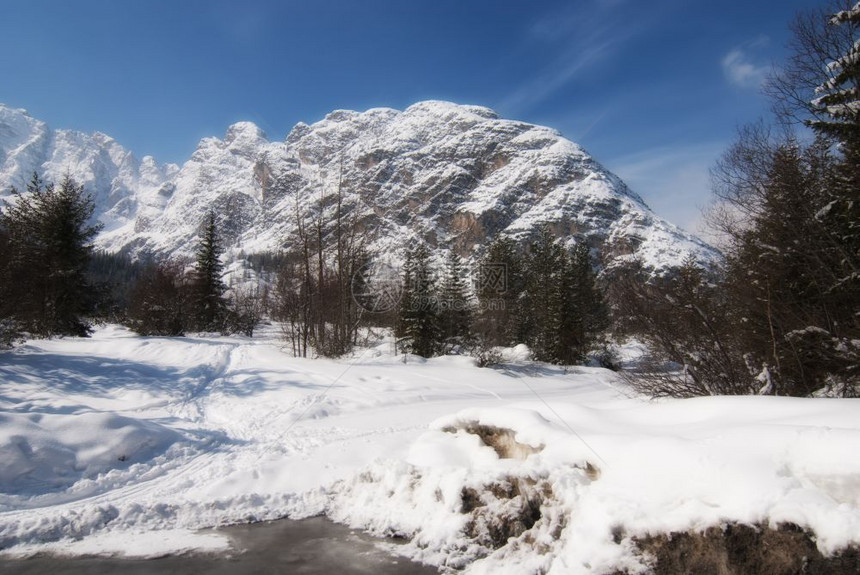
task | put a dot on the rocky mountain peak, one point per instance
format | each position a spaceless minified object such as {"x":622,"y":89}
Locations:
{"x":245,"y":134}
{"x":453,"y":176}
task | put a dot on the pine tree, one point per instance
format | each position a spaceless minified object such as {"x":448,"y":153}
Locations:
{"x":419,"y":314}
{"x":838,"y":97}
{"x":48,"y":234}
{"x":840,"y":214}
{"x":9,"y":330}
{"x":209,"y":308}
{"x":838,"y":103}
{"x":499,"y":289}
{"x":455,"y":313}
{"x":819,"y":85}
{"x":570,"y":336}
{"x":542,"y":303}
{"x":582,"y":313}
{"x":402,"y":325}
{"x":785,"y":275}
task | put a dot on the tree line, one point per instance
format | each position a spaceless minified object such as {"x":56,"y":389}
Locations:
{"x":52,"y":282}
{"x":320,"y":277}
{"x":544,"y":295}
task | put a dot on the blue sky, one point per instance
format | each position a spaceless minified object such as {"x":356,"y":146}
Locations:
{"x":653,"y":90}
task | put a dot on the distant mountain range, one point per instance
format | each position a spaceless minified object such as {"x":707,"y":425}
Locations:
{"x":451,"y":175}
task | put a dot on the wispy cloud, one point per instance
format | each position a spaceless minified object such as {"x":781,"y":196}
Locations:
{"x":740,"y":67}
{"x":557,"y":75}
{"x":583,"y":35}
{"x":576,"y":18}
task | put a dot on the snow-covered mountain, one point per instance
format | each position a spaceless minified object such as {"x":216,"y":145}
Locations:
{"x":121,"y":185}
{"x":456,"y":176}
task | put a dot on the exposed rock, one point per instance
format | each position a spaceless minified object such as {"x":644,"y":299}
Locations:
{"x":503,"y":510}
{"x":503,"y":441}
{"x":737,"y":549}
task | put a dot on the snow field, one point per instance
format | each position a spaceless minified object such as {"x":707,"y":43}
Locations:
{"x":116,"y":439}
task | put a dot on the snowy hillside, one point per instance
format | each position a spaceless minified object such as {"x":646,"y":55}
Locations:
{"x":520,"y":469}
{"x":457,"y":176}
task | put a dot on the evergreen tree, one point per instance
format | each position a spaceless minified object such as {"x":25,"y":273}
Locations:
{"x":499,"y":289}
{"x":455,"y":313}
{"x":792,"y":261}
{"x":9,"y":330}
{"x":837,"y":102}
{"x":542,"y":301}
{"x":841,"y":215}
{"x":402,"y":327}
{"x":837,"y":111}
{"x":819,"y":84}
{"x":785,"y":272}
{"x":582,"y":313}
{"x":48,"y":234}
{"x":562,"y":311}
{"x":418,"y":319}
{"x":209,"y":307}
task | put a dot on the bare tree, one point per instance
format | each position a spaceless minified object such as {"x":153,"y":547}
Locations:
{"x":689,"y":326}
{"x":314,"y":285}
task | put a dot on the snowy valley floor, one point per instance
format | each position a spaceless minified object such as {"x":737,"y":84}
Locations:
{"x":121,"y":444}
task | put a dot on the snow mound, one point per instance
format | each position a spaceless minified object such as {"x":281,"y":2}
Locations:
{"x":572,"y":489}
{"x":48,"y":452}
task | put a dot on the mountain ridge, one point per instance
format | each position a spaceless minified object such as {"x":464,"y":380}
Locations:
{"x":454,"y":176}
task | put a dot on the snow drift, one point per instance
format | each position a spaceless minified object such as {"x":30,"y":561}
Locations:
{"x":48,"y":452}
{"x":580,"y":501}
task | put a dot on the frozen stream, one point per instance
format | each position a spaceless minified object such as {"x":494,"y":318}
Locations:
{"x":308,"y":546}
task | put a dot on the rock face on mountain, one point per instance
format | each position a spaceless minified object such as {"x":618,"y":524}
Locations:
{"x":451,"y":175}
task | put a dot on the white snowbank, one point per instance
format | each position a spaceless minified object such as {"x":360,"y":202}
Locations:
{"x":650,"y":469}
{"x":45,"y":451}
{"x":223,"y":430}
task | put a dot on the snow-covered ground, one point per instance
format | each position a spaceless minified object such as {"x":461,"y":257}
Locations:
{"x":119,"y":443}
